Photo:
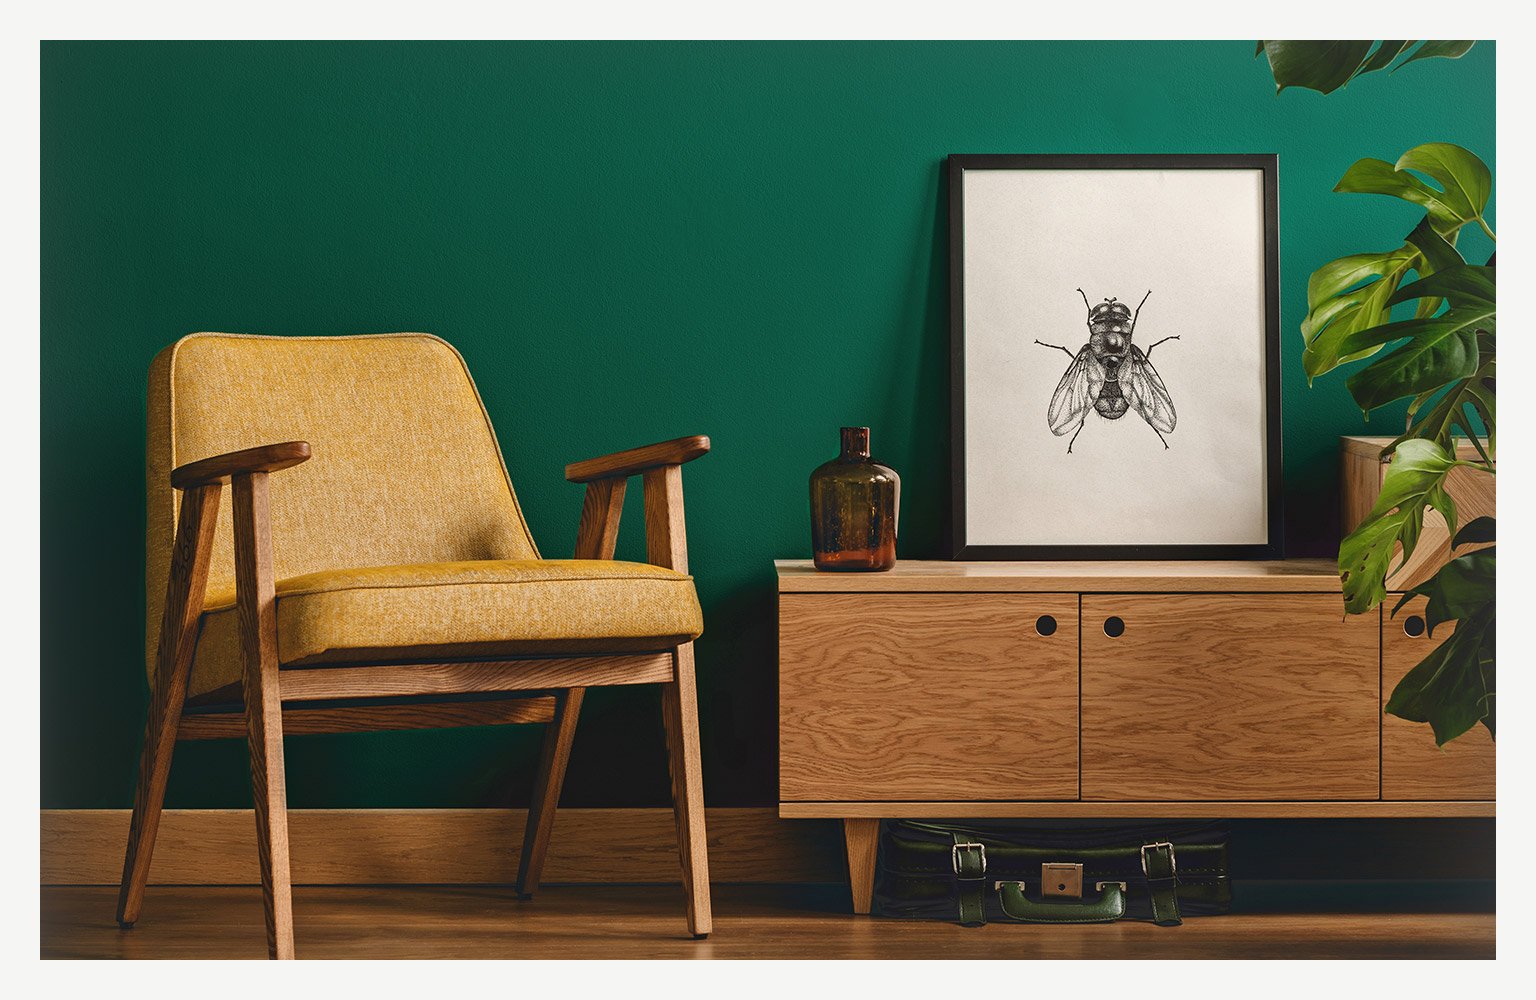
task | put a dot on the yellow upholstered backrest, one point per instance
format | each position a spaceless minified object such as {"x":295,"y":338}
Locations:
{"x":405,"y":465}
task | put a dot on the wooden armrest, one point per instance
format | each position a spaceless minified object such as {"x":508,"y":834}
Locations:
{"x":218,"y":469}
{"x":635,"y":460}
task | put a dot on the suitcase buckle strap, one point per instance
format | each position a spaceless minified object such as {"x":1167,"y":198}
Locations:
{"x":969,"y":861}
{"x":1173,"y":867}
{"x":1162,"y":871}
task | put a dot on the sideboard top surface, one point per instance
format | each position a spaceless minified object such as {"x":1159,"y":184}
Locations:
{"x":1148,"y":576}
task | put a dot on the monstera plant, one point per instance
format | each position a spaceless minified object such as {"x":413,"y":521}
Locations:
{"x":1441,"y":357}
{"x":1327,"y":66}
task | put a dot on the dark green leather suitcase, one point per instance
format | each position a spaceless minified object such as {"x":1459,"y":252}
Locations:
{"x":980,"y":871}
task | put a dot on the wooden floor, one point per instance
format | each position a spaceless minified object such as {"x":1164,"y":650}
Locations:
{"x":750,"y":922}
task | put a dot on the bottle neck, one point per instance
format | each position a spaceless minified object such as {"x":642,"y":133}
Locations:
{"x":855,"y":444}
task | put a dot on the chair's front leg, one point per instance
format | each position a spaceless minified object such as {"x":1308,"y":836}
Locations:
{"x":666,"y":545}
{"x":257,"y":603}
{"x":680,"y":714}
{"x":185,"y":589}
{"x":546,"y":790}
{"x":666,"y":539}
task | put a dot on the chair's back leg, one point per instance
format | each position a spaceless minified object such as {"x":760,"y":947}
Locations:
{"x":173,"y":663}
{"x":546,"y":790}
{"x":257,"y":604}
{"x":680,"y":713}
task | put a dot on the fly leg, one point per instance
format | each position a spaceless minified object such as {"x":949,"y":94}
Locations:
{"x":1058,"y":347}
{"x":1079,"y":430}
{"x":1159,"y":437}
{"x":1143,"y":302}
{"x":1148,"y":352}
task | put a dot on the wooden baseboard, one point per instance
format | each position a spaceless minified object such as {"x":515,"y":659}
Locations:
{"x":480,"y":846}
{"x":443,"y":846}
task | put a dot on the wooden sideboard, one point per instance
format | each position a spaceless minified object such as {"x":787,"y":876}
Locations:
{"x":1100,"y":690}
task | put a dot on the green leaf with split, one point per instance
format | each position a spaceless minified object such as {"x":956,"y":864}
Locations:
{"x":1339,"y":309}
{"x":1326,"y":66}
{"x":1452,"y":689}
{"x":1414,"y":479}
{"x":1461,"y":284}
{"x":1475,"y":532}
{"x":1432,"y":50}
{"x":1458,"y":590}
{"x":1465,"y":182}
{"x":1439,"y":350}
{"x":1322,"y":66}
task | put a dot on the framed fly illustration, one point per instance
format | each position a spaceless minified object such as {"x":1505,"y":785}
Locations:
{"x":1115,"y":375}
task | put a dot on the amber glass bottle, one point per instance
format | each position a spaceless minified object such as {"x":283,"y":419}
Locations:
{"x":854,"y":506}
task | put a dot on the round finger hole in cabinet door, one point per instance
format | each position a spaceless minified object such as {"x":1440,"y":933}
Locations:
{"x":1045,"y":625}
{"x":1413,"y":626}
{"x":1114,"y":626}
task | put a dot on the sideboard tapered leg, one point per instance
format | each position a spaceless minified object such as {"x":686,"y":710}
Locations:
{"x":862,"y":837}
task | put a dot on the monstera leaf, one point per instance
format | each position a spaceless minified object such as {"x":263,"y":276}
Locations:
{"x":1453,"y":688}
{"x":1438,"y":350}
{"x":1465,"y":182}
{"x":1327,"y":66}
{"x":1443,"y":359}
{"x":1414,"y":480}
{"x":1350,"y":300}
{"x":1449,"y":413}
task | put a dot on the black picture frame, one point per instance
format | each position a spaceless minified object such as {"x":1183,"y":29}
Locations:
{"x":957,"y":165}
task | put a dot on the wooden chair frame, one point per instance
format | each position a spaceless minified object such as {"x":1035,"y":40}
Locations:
{"x":363,"y":697}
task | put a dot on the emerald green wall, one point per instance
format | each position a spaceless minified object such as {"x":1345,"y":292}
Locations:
{"x":628,"y":242}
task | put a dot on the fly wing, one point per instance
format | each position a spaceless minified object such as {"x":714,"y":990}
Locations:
{"x":1146,"y":392}
{"x":1075,"y":393}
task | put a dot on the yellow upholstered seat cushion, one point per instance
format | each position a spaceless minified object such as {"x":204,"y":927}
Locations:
{"x":498,"y":607}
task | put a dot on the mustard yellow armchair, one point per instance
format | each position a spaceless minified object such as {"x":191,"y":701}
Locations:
{"x":390,"y":576}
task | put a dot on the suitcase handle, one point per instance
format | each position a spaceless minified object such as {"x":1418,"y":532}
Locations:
{"x":1107,"y":908}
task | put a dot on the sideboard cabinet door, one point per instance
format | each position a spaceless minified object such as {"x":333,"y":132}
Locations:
{"x":1412,"y":767}
{"x":1239,"y":697}
{"x":916,"y":697}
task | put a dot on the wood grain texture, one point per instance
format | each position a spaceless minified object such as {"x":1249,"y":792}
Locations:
{"x":256,"y":602}
{"x":1231,"y":696}
{"x":680,"y":717}
{"x":665,"y":532}
{"x":601,"y":508}
{"x":666,"y":545}
{"x":1412,"y":767}
{"x":447,"y":846}
{"x":1473,"y":490}
{"x":1360,"y":478}
{"x":636,"y":460}
{"x":185,"y":591}
{"x":553,"y":758}
{"x":220,"y":468}
{"x":926,"y":696}
{"x":302,"y":719}
{"x":862,"y":838}
{"x":486,"y":676}
{"x":1364,"y":809}
{"x":1146,"y":576}
{"x":581,"y":923}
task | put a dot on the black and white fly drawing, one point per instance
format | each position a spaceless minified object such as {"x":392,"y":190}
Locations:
{"x":1111,"y":375}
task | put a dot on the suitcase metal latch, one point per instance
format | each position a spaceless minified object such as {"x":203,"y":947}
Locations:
{"x":1061,"y":879}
